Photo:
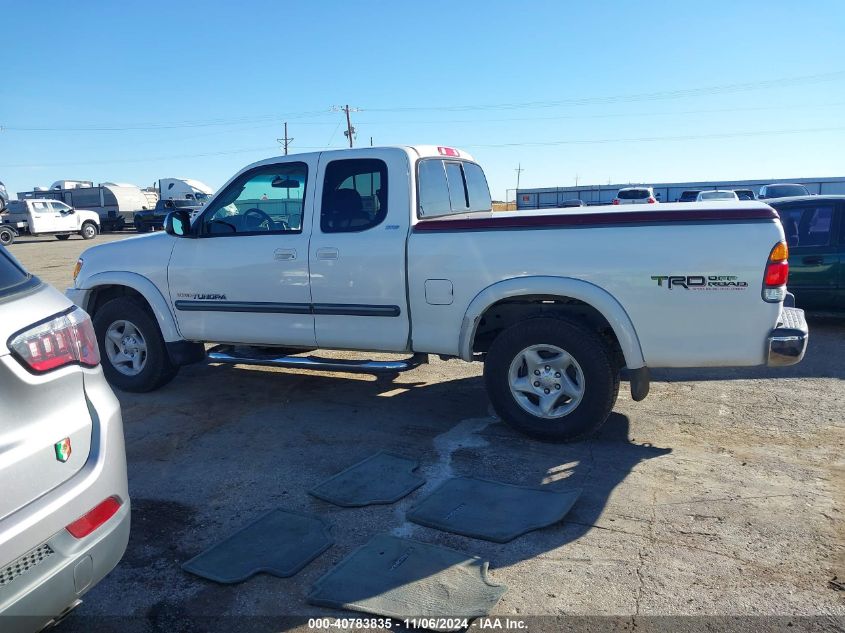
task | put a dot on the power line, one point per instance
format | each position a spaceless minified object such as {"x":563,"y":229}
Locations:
{"x":648,"y":96}
{"x":647,"y":139}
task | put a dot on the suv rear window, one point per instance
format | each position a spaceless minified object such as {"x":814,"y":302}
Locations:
{"x":786,"y":191}
{"x":12,"y":277}
{"x":633,"y":194}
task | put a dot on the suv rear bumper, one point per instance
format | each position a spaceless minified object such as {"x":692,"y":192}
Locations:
{"x":787,"y":343}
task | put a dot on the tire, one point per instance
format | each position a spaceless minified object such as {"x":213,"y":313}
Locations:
{"x":584,"y":377}
{"x":62,"y":237}
{"x":89,"y":231}
{"x":7,"y":236}
{"x":127,"y":318}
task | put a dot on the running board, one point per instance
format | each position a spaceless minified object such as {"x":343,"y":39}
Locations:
{"x":245,"y":355}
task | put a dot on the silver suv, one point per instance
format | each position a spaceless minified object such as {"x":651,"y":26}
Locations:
{"x":64,"y":503}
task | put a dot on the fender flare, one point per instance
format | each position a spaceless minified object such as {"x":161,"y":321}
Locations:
{"x":146,"y":288}
{"x":590,"y":294}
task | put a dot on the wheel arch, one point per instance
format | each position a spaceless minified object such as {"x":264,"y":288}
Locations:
{"x":536,"y":295}
{"x":101,"y":287}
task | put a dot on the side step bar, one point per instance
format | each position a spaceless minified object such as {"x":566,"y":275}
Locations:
{"x":244,"y":355}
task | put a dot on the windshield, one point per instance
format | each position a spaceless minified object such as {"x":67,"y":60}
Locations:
{"x":784,"y":191}
{"x":717,"y":195}
{"x":633,"y":194}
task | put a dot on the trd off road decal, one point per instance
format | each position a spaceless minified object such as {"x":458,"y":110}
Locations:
{"x":201,"y":297}
{"x":700,"y":282}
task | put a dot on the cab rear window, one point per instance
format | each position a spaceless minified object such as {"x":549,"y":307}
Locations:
{"x":451,"y":186}
{"x":13,"y":277}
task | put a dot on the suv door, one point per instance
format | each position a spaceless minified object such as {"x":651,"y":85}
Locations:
{"x":811,"y":229}
{"x":357,"y":252}
{"x":242,"y":276}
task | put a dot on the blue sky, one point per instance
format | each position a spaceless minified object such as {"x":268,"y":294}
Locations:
{"x":694,"y":90}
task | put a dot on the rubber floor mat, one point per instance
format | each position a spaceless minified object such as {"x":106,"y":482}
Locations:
{"x":398,"y":577}
{"x":280,"y":542}
{"x":491,"y":510}
{"x":379,"y":479}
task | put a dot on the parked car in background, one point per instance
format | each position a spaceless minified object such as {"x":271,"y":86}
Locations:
{"x":572,"y":203}
{"x":635,"y":195}
{"x":47,"y":217}
{"x":691,"y":195}
{"x":153,"y":219}
{"x":4,"y":197}
{"x":815,"y":231}
{"x":782,"y":191}
{"x":718,"y":194}
{"x":64,"y":502}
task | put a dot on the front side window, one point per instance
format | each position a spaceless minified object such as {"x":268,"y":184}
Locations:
{"x":268,"y":199}
{"x":60,"y":207}
{"x":447,"y":187}
{"x":354,"y":195}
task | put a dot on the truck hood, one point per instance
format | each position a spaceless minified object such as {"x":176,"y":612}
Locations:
{"x":88,"y":214}
{"x":146,"y":255}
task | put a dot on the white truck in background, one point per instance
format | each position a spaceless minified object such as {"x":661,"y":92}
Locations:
{"x":46,"y":217}
{"x":395,"y":249}
{"x":184,"y":189}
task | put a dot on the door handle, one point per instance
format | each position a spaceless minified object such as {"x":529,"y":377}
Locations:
{"x":813,"y":261}
{"x":327,"y":253}
{"x":284,"y":254}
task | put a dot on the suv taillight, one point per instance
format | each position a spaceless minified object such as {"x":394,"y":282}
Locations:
{"x":65,"y":339}
{"x":615,"y":201}
{"x":777,"y":273}
{"x":651,"y":200}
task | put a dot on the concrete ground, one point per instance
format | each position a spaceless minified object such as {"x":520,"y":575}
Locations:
{"x":722,"y":494}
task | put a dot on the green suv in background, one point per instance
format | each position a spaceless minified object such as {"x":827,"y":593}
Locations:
{"x":815,"y":231}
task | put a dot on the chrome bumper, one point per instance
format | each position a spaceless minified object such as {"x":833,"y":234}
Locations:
{"x":787,"y":343}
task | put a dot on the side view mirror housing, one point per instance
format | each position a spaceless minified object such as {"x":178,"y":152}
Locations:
{"x":178,"y":223}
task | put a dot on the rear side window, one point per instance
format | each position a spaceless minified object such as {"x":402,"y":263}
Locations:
{"x":354,"y":195}
{"x":633,"y":194}
{"x":807,"y":226}
{"x":12,"y":276}
{"x":447,"y":187}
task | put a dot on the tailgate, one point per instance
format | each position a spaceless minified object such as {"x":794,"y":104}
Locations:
{"x":37,"y":411}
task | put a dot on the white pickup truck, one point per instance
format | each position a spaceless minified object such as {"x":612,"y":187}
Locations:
{"x":397,"y":250}
{"x":46,"y":217}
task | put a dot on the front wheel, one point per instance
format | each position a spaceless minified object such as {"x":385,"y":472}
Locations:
{"x":552,"y":379}
{"x":7,"y":236}
{"x":132,"y":349}
{"x":89,"y":231}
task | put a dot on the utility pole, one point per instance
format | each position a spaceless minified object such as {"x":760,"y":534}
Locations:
{"x":518,"y":171}
{"x":286,"y":140}
{"x":350,"y":131}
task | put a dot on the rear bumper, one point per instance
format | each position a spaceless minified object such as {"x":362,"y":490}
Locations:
{"x":787,"y":343}
{"x":54,"y":586}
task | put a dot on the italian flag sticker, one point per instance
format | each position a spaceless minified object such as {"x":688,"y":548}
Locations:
{"x":63,"y":449}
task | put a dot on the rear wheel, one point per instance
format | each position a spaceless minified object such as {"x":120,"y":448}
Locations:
{"x":7,"y":236}
{"x":89,"y":230}
{"x":551,"y":379}
{"x":133,"y":352}
{"x":62,"y":237}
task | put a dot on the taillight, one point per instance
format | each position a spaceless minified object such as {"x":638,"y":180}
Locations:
{"x":615,"y":201}
{"x":89,"y":522}
{"x":66,"y":339}
{"x":651,"y":200}
{"x":777,"y":274}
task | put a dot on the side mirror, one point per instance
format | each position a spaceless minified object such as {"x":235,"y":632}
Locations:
{"x":178,"y":223}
